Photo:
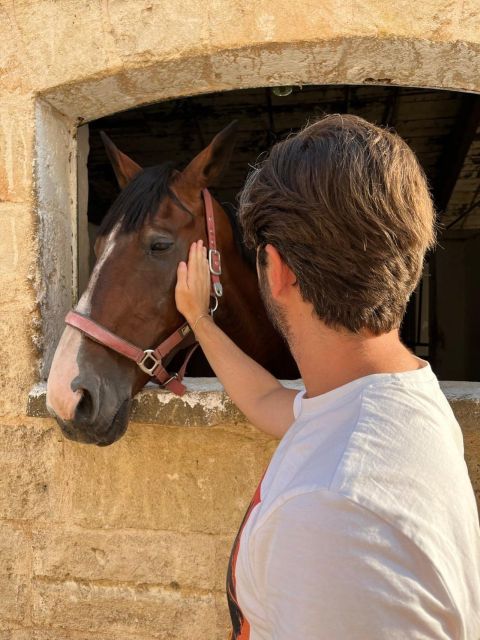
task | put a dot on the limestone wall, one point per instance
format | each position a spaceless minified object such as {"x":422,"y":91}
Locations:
{"x":131,"y":541}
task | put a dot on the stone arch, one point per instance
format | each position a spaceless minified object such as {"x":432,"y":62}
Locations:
{"x":390,"y":60}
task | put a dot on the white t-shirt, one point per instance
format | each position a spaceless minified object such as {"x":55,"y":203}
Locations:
{"x":364,"y":525}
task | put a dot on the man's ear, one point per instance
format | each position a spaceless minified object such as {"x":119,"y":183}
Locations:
{"x":279,"y":273}
{"x":207,"y":167}
{"x":125,"y":168}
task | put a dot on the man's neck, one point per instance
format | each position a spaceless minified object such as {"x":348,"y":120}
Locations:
{"x":328,"y":359}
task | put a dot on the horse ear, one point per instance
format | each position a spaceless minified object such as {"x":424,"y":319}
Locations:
{"x":125,"y":168}
{"x":207,"y":167}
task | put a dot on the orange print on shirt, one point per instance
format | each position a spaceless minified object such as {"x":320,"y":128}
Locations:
{"x":240,"y":625}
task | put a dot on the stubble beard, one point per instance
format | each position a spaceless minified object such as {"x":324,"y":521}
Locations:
{"x":275,"y":312}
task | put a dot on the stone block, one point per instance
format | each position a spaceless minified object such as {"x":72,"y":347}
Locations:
{"x":223,"y":548}
{"x":17,"y":308}
{"x":167,"y":558}
{"x":17,"y":359}
{"x":468,"y":415}
{"x":16,"y":634}
{"x":222,"y":617}
{"x":16,"y":148}
{"x":14,"y":577}
{"x":468,"y":21}
{"x":31,"y":486}
{"x":17,"y":238}
{"x":54,"y":41}
{"x":157,"y":612}
{"x":165,"y":478}
{"x":196,"y":408}
{"x":70,"y":634}
{"x":464,"y":398}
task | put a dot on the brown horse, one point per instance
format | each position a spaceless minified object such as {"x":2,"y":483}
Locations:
{"x":131,"y":292}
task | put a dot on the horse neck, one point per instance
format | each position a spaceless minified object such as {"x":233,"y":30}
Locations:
{"x":241,"y":313}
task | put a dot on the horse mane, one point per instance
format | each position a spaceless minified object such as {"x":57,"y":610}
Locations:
{"x":141,"y":198}
{"x":249,"y":255}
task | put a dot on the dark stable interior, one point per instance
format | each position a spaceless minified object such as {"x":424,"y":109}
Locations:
{"x":441,"y":324}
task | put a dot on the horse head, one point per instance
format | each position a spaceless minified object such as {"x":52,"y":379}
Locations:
{"x":131,"y":292}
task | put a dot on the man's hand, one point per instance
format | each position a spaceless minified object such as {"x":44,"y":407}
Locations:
{"x":260,"y":396}
{"x":192,"y":292}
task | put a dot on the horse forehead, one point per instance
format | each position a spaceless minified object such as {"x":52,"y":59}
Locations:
{"x":84,"y":304}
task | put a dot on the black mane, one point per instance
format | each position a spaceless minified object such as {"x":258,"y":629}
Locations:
{"x":139,"y":200}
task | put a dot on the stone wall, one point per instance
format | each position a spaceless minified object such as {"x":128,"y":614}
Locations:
{"x":129,"y":541}
{"x":132,"y":541}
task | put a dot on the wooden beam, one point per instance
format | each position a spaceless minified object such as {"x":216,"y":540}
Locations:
{"x":456,"y":150}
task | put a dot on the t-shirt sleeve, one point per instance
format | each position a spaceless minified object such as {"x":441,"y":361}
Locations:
{"x":326,"y":568}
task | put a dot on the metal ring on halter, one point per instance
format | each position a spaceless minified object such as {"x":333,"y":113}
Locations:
{"x":213,"y":309}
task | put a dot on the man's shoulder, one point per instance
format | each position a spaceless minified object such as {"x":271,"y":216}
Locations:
{"x":386,"y":429}
{"x":403,"y":434}
{"x":398,"y":454}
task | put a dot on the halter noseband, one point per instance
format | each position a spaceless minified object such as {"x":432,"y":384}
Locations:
{"x":150,"y":360}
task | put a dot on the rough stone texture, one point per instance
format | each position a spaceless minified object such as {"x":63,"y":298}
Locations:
{"x":14,"y":575}
{"x":16,"y":634}
{"x":16,"y":148}
{"x":56,"y":267}
{"x":131,"y":542}
{"x":168,"y":558}
{"x":163,"y":478}
{"x":464,"y":399}
{"x":204,"y":404}
{"x":161,"y":613}
{"x":31,"y":484}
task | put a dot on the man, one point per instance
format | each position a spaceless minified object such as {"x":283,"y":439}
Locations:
{"x":364,"y":525}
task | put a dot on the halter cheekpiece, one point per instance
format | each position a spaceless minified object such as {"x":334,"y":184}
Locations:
{"x":150,"y":360}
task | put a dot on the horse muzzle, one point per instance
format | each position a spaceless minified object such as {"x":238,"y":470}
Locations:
{"x":102,"y":432}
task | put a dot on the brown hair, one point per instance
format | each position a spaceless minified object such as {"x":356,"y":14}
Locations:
{"x":347,"y":206}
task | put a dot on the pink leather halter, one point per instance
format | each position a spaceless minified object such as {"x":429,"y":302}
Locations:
{"x":150,"y":360}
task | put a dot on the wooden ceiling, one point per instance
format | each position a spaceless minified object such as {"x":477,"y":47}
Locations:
{"x":442,"y":127}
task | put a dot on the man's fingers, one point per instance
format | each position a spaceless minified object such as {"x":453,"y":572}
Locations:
{"x":192,"y":252}
{"x":197,"y":263}
{"x":182,"y":274}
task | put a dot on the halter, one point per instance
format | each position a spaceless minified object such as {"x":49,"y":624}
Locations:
{"x":150,"y":360}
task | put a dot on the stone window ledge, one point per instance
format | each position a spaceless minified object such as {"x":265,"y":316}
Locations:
{"x":206,"y":404}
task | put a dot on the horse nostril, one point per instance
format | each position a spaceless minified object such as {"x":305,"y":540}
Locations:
{"x":85,"y":408}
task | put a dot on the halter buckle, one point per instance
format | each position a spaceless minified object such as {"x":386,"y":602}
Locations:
{"x":149,"y":354}
{"x":214,"y":253}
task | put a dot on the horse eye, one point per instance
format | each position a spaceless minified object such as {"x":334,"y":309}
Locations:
{"x":160,"y":245}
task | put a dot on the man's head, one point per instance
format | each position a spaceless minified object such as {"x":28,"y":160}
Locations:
{"x":347,"y":207}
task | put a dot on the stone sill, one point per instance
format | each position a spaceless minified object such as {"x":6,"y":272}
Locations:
{"x":206,"y":403}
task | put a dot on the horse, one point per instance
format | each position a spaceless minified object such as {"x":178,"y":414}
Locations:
{"x":146,"y":232}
